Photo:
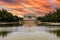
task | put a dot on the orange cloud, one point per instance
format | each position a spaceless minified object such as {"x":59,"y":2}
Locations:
{"x":21,"y":7}
{"x":57,"y":2}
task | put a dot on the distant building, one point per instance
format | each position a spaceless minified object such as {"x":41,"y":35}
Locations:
{"x":29,"y":17}
{"x":29,"y":20}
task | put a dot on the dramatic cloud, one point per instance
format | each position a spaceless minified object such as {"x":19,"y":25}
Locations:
{"x":38,"y":7}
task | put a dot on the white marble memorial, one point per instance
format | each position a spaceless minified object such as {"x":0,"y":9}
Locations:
{"x":29,"y":20}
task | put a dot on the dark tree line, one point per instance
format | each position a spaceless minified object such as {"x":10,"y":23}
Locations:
{"x":6,"y":16}
{"x":51,"y":17}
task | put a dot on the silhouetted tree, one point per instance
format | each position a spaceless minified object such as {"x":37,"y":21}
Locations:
{"x":51,"y":17}
{"x":6,"y":16}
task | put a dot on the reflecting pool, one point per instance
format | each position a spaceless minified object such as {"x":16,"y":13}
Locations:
{"x":30,"y":33}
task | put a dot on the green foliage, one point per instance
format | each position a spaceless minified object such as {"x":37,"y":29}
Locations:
{"x":6,"y":16}
{"x":51,"y":17}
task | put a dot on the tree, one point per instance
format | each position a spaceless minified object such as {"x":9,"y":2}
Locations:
{"x":6,"y":16}
{"x":51,"y":17}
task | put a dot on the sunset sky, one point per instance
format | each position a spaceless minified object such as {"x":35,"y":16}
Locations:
{"x":38,"y":7}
